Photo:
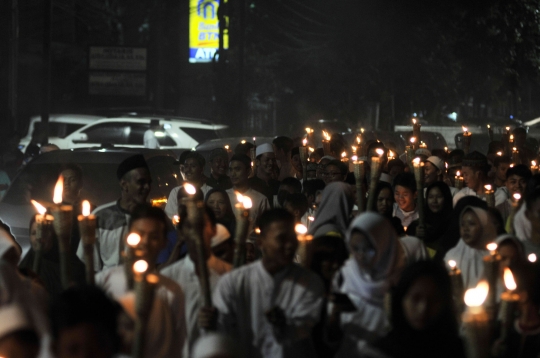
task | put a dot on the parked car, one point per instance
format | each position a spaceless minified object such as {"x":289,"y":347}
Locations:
{"x":60,"y":126}
{"x":100,"y":185}
{"x":129,"y":132}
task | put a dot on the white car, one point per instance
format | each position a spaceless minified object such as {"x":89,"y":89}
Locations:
{"x":129,"y":132}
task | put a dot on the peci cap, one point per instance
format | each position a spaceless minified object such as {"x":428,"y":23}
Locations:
{"x":475,"y":159}
{"x":133,"y":162}
{"x":264,"y":148}
{"x":436,"y":161}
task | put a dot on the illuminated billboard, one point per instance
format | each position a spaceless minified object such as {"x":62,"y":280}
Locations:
{"x":204,"y":30}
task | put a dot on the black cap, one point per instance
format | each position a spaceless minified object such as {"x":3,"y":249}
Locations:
{"x":133,"y":162}
{"x":475,"y":159}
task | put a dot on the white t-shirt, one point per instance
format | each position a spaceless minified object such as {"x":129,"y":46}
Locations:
{"x":150,"y":140}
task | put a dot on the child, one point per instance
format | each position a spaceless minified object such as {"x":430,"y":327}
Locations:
{"x":405,"y":197}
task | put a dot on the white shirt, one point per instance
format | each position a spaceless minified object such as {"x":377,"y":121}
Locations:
{"x":244,"y":295}
{"x":167,"y":326}
{"x":500,"y":195}
{"x":150,"y":140}
{"x":171,"y":208}
{"x":406,"y":217}
{"x":469,"y":261}
{"x":259,"y":201}
{"x":183,"y":273}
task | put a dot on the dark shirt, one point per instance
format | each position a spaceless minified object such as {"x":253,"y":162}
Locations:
{"x":223,"y":182}
{"x":268,"y":190}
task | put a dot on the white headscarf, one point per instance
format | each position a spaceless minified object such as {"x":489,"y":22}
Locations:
{"x":334,"y":211}
{"x":358,"y":284}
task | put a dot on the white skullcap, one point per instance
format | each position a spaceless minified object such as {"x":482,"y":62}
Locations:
{"x":386,"y":178}
{"x":222,"y":234}
{"x":436,"y":161}
{"x":213,"y":344}
{"x":264,"y":148}
{"x":423,"y":151}
{"x":13,"y":318}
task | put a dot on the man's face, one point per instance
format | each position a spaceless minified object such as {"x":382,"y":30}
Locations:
{"x":500,"y":171}
{"x":333,"y":174}
{"x":193,"y":170}
{"x":136,"y":185}
{"x":404,"y":197}
{"x":470,"y":177}
{"x":152,"y":233}
{"x":431,"y":173}
{"x":516,"y":184}
{"x":279,"y":243}
{"x":72,"y":186}
{"x":218,"y":165}
{"x":267,"y":162}
{"x":238,"y":172}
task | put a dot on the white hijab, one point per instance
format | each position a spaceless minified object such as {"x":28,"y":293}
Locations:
{"x":359,"y":284}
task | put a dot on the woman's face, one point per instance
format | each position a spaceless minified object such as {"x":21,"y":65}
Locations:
{"x":404,"y":197}
{"x":422,"y":303}
{"x":435,"y":200}
{"x":296,"y":163}
{"x":363,"y":251}
{"x":509,"y":255}
{"x":217,"y":202}
{"x":470,"y":228}
{"x":384,"y":201}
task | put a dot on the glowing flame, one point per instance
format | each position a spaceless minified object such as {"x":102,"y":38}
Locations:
{"x":358,"y":139}
{"x":488,"y":126}
{"x":86,"y":208}
{"x":343,"y":155}
{"x":353,"y":148}
{"x":311,"y":149}
{"x":413,"y":140}
{"x":239,"y":197}
{"x":514,"y":149}
{"x":492,"y":246}
{"x":227,"y":147}
{"x":257,"y":231}
{"x":140,"y":266}
{"x":311,"y":218}
{"x":308,"y":130}
{"x":243,"y":141}
{"x":452,"y":264}
{"x":354,"y":158}
{"x":487,"y":187}
{"x":176,"y":219}
{"x":304,"y":142}
{"x":362,"y":130}
{"x":391,"y":154}
{"x":57,"y":197}
{"x":254,"y":139}
{"x":446,"y":165}
{"x":464,"y":129}
{"x":133,"y":239}
{"x":246,"y":201}
{"x":507,"y":128}
{"x":475,"y":297}
{"x":300,"y":229}
{"x":446,"y":149}
{"x":414,"y":120}
{"x":532,"y":257}
{"x":153,"y":279}
{"x":533,"y":163}
{"x":517,"y":196}
{"x":326,"y":135}
{"x":379,"y":151}
{"x":416,"y":161}
{"x":511,"y":137}
{"x":499,"y":154}
{"x":509,"y":281}
{"x":190,"y":189}
{"x":40,"y":208}
{"x":458,"y":173}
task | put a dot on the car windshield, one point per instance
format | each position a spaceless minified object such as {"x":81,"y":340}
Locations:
{"x":199,"y":134}
{"x":100,"y":184}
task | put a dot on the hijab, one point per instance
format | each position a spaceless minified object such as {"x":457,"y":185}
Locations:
{"x":334,"y":211}
{"x":359,"y":284}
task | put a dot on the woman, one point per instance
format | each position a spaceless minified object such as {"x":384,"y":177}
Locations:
{"x":384,"y":199}
{"x":476,"y":230}
{"x":437,"y":211}
{"x":218,"y":200}
{"x":423,"y":321}
{"x":377,"y":259}
{"x":334,"y":211}
{"x":49,"y":271}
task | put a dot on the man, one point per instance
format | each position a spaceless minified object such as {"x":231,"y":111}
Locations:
{"x":434,"y":172}
{"x":336,"y":171}
{"x":282,"y":148}
{"x":239,"y":170}
{"x":185,"y":273}
{"x":166,"y":328}
{"x":455,"y":161}
{"x":287,"y":187}
{"x":150,"y":139}
{"x":112,"y":218}
{"x":271,"y":305}
{"x":475,"y":176}
{"x":219,"y":161}
{"x":516,"y":183}
{"x":501,"y":165}
{"x":71,"y":195}
{"x":262,"y":181}
{"x":194,"y":174}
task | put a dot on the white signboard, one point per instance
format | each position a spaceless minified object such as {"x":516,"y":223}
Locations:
{"x":117,"y":83}
{"x":117,"y":58}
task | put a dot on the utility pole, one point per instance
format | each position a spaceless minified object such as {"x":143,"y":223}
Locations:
{"x":241,"y":56}
{"x":13,"y":64}
{"x":46,"y":70}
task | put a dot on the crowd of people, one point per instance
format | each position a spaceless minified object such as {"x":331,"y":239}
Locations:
{"x":373,"y":281}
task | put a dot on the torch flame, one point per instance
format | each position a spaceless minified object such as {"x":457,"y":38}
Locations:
{"x":300,"y":229}
{"x":362,"y":130}
{"x":464,"y":129}
{"x":475,"y":297}
{"x":517,"y":196}
{"x":358,"y":139}
{"x":311,"y":149}
{"x":239,"y":197}
{"x":488,"y":126}
{"x":390,"y":154}
{"x":343,"y":155}
{"x":246,"y":201}
{"x":514,"y":149}
{"x":304,"y":142}
{"x":308,"y":130}
{"x":140,"y":266}
{"x":133,"y":239}
{"x":227,"y":147}
{"x":413,"y":140}
{"x":492,"y":246}
{"x":243,"y":141}
{"x":86,"y":208}
{"x":57,"y":197}
{"x":499,"y":154}
{"x":353,"y":148}
{"x":326,"y":135}
{"x":533,"y":163}
{"x":458,"y":173}
{"x":40,"y":208}
{"x":416,"y":161}
{"x":379,"y":151}
{"x":414,"y":120}
{"x":452,"y":264}
{"x":509,"y":281}
{"x":507,"y":128}
{"x":190,"y":189}
{"x":532,"y":258}
{"x":176,"y":219}
{"x":487,"y":187}
{"x":354,"y":158}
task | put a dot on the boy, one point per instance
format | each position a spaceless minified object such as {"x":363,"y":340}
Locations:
{"x":405,"y":197}
{"x":516,"y":183}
